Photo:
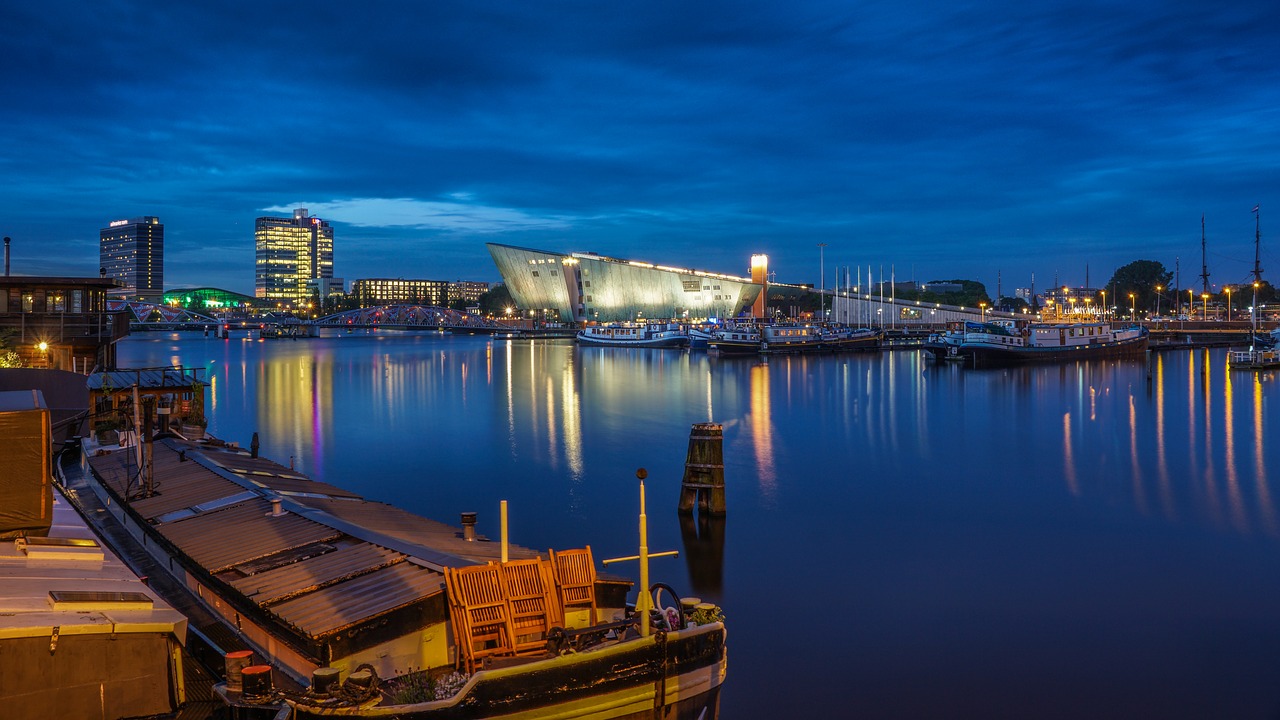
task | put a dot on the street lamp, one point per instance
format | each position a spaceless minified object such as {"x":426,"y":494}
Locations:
{"x":1158,"y":289}
{"x":1191,"y":303}
{"x":1104,"y":304}
{"x":1133,"y":308}
{"x":983,"y":306}
{"x":822,"y":278}
{"x":1228,"y":292}
{"x":1205,"y":298}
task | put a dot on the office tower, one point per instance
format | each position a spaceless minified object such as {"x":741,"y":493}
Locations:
{"x":290,"y":252}
{"x":132,"y":252}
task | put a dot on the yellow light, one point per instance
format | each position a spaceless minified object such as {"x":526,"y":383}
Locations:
{"x":42,"y":345}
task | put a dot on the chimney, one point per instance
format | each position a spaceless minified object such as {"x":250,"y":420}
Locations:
{"x":469,"y":526}
{"x":276,"y":509}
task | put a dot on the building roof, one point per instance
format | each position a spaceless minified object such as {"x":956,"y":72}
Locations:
{"x":147,"y":378}
{"x":330,"y":561}
{"x":45,"y":280}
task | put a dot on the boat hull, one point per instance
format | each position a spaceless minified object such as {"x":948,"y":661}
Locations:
{"x":679,"y":673}
{"x":662,"y":342}
{"x":979,"y":355}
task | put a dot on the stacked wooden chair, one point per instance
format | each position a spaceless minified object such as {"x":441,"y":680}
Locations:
{"x":480,"y":613}
{"x":508,"y":609}
{"x":575,"y":580}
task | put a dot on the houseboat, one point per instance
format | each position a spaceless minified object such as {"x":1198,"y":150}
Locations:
{"x":332,"y":592}
{"x":790,"y":338}
{"x":736,"y":340}
{"x":645,"y":335}
{"x":984,"y":344}
{"x":839,"y":338}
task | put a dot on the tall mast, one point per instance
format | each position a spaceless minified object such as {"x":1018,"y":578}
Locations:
{"x":1257,"y":245}
{"x":1204,"y":267}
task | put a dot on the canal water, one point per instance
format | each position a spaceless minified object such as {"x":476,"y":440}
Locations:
{"x":902,"y":540}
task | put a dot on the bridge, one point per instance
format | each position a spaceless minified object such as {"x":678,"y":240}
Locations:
{"x":145,"y":315}
{"x":413,"y":317}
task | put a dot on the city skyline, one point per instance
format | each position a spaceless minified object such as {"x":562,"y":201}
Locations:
{"x":946,"y":142}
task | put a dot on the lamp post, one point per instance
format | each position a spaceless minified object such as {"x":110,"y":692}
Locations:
{"x":1104,"y":304}
{"x":1158,"y":289}
{"x":1228,"y":292}
{"x":1133,"y":308}
{"x":822,"y":278}
{"x":1191,"y":303}
{"x":983,"y":307}
{"x":1205,"y":298}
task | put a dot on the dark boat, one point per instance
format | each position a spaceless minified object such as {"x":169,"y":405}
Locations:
{"x":987,"y":344}
{"x":332,"y":592}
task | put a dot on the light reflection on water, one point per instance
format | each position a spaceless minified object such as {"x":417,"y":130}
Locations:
{"x":907,"y":540}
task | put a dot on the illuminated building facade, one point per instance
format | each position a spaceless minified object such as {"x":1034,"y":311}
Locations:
{"x":469,"y":291}
{"x":206,"y":299}
{"x":291,"y":251}
{"x":398,"y":291}
{"x":132,"y":252}
{"x":580,"y":287}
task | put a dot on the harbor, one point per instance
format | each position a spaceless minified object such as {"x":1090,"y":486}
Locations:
{"x":1132,"y":497}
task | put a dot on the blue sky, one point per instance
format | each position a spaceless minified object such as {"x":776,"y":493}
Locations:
{"x":948,"y":140}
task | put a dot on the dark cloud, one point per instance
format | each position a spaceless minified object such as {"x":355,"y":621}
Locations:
{"x":955,"y":138}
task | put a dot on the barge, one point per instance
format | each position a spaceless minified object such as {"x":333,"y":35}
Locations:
{"x":353,"y":608}
{"x":1000,"y":343}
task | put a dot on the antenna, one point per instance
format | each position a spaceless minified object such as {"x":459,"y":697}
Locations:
{"x":1257,"y":245}
{"x":1204,"y":268}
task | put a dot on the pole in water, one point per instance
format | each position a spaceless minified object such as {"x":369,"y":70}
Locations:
{"x":703,"y":482}
{"x":644,"y":603}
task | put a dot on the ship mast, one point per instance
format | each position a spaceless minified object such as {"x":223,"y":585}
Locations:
{"x":1257,"y":245}
{"x":1204,"y":267}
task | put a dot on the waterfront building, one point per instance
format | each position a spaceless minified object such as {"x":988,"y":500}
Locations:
{"x":399,"y":291}
{"x":577,"y":287}
{"x":290,"y":252}
{"x":132,"y":251}
{"x":469,"y":291}
{"x":206,"y":298}
{"x":61,"y":322}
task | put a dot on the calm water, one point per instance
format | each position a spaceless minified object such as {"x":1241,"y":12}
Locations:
{"x":902,"y":541}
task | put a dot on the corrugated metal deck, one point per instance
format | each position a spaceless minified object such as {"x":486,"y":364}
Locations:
{"x":332,"y":561}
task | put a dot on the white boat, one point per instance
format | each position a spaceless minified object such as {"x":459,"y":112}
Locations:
{"x":647,"y":335}
{"x":790,"y":338}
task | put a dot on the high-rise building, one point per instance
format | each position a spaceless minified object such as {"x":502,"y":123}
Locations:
{"x":468,"y":291}
{"x":132,"y":251}
{"x":291,"y":251}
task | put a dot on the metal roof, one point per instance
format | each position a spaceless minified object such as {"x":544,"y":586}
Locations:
{"x":172,"y":377}
{"x":335,"y":607}
{"x":229,"y":536}
{"x":332,"y":560}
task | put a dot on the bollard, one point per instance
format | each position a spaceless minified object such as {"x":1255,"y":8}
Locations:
{"x":235,"y":663}
{"x":324,"y":681}
{"x":256,"y":681}
{"x":703,"y":481}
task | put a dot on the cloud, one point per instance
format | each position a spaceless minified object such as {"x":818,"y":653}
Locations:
{"x":427,"y":215}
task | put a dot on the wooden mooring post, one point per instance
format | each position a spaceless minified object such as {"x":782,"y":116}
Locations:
{"x":703,"y":482}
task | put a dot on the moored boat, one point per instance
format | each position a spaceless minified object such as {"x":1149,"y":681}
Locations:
{"x":332,"y":592}
{"x":840,"y":338}
{"x":648,"y":335}
{"x":790,"y":338}
{"x":983,"y":344}
{"x":736,"y":340}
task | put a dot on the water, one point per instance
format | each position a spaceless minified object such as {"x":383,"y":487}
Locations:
{"x":902,"y":540}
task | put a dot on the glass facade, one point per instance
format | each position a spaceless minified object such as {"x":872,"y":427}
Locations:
{"x":291,"y":251}
{"x":132,"y":252}
{"x":588,"y":287}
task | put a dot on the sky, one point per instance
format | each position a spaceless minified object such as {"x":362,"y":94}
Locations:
{"x":935,"y":140}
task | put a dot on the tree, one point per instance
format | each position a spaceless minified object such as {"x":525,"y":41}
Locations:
{"x":1012,"y":305}
{"x":496,"y":301}
{"x":1141,"y":278}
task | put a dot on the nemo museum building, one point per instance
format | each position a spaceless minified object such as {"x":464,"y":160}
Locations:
{"x":586,"y":287}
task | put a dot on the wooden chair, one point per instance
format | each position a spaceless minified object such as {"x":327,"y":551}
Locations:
{"x":531,"y":599}
{"x":480,"y":614}
{"x":575,"y":579}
